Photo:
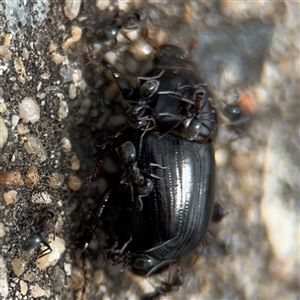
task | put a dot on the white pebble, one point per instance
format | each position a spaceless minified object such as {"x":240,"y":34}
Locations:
{"x":63,"y":110}
{"x":72,"y":8}
{"x":29,"y":110}
{"x":3,"y":133}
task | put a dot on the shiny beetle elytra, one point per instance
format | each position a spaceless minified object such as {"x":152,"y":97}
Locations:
{"x":166,"y":194}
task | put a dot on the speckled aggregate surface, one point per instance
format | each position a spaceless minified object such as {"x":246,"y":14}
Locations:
{"x":50,"y":61}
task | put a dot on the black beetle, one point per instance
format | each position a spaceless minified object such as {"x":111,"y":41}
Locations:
{"x":45,"y":219}
{"x":167,"y":191}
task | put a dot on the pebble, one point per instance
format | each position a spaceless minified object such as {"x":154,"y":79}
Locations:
{"x":66,"y":72}
{"x":56,"y":180}
{"x":3,"y":133}
{"x":32,"y":177}
{"x":3,"y":279}
{"x":66,"y":144}
{"x":72,"y":91}
{"x":38,"y":292}
{"x":75,"y":37}
{"x":42,"y":197}
{"x":72,"y":8}
{"x":35,"y":146}
{"x":74,"y":183}
{"x":10,"y":197}
{"x":63,"y":110}
{"x":77,"y":278}
{"x":75,"y":163}
{"x":18,"y":266}
{"x":14,"y":121}
{"x":23,"y":287}
{"x":77,"y":76}
{"x":57,"y":58}
{"x":20,"y":70}
{"x":102,"y":4}
{"x":29,"y":110}
{"x":58,"y":248}
{"x":5,"y":53}
{"x":11,"y":178}
{"x":22,"y":129}
{"x":140,"y":50}
{"x":2,"y":230}
{"x":85,"y":106}
{"x":2,"y":107}
{"x":281,"y":178}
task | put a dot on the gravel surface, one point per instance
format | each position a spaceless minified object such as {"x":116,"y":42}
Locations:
{"x":57,"y":102}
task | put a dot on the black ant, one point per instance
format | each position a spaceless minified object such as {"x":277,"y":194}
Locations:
{"x":45,"y":220}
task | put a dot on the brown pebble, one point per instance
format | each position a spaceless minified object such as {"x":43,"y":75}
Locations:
{"x":77,"y":278}
{"x":75,"y":163}
{"x":18,"y":266}
{"x":56,"y":180}
{"x":11,"y":178}
{"x":32,"y":177}
{"x":74,"y":183}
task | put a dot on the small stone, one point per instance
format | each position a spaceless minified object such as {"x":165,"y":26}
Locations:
{"x":57,"y":58}
{"x":2,"y":107}
{"x":72,"y":91}
{"x":72,"y":8}
{"x":66,"y":144}
{"x":59,"y":279}
{"x":32,"y":177}
{"x":77,"y":278}
{"x":52,"y":47}
{"x":35,"y":146}
{"x":15,"y":120}
{"x":10,"y":197}
{"x":23,"y":287}
{"x":56,"y":180}
{"x":140,"y":50}
{"x":5,"y":53}
{"x":3,"y":279}
{"x":98,"y":276}
{"x":102,"y":4}
{"x":75,"y":163}
{"x":18,"y":266}
{"x":85,"y":106}
{"x":3,"y":133}
{"x":76,"y":36}
{"x":63,"y":110}
{"x":45,"y":76}
{"x":30,"y":276}
{"x":42,"y":197}
{"x":22,"y":129}
{"x":74,"y":183}
{"x":37,"y":292}
{"x":58,"y":248}
{"x":77,"y":76}
{"x":2,"y":230}
{"x":11,"y":178}
{"x":66,"y":72}
{"x":29,"y":110}
{"x":20,"y":69}
{"x":110,"y":57}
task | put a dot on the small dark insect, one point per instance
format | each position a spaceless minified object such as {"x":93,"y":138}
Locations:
{"x":45,"y":220}
{"x":164,"y":201}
